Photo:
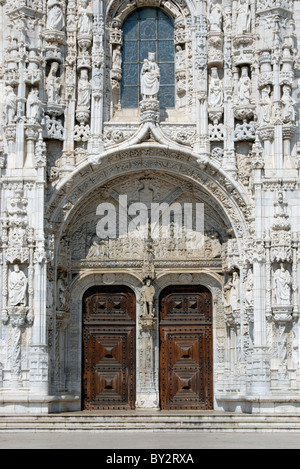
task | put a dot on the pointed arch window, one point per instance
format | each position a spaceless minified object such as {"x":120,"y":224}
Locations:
{"x":147,"y":30}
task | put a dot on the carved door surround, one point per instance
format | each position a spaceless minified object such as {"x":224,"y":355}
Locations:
{"x":186,"y":348}
{"x":109,"y":348}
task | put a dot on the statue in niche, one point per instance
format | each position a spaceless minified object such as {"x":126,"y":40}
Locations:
{"x":180,"y":57}
{"x":244,"y":88}
{"x":235,"y":292}
{"x":215,"y":17}
{"x":63,"y":294}
{"x":147,"y":299}
{"x":33,"y":110}
{"x":215,"y":94}
{"x":84,"y":90}
{"x":85,"y":21}
{"x":266,"y":105}
{"x":243,"y":19}
{"x":282,"y":286}
{"x":53,"y":84}
{"x":10,"y":105}
{"x":55,"y":19}
{"x":249,"y":288}
{"x":117,"y":58}
{"x":17,"y":287}
{"x":150,"y":77}
{"x":288,"y":105}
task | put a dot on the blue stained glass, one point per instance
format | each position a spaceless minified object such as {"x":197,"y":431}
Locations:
{"x":166,"y":51}
{"x":131,"y":51}
{"x":145,"y":48}
{"x":131,"y":30}
{"x":148,"y":13}
{"x":148,"y":30}
{"x":165,"y":29}
{"x":167,"y":74}
{"x":130,"y":97}
{"x":167,"y":96}
{"x":130,"y":75}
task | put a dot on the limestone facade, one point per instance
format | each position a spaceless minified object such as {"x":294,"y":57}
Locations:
{"x":230,"y":142}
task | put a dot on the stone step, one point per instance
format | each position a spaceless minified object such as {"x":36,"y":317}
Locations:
{"x":214,"y":422}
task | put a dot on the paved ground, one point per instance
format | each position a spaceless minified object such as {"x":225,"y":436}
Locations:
{"x":149,"y":440}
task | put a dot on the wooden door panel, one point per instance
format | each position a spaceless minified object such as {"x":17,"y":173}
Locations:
{"x":186,"y":349}
{"x":109,"y":350}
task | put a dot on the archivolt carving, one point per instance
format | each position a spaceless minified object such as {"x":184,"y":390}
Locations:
{"x":211,"y":181}
{"x":119,"y":9}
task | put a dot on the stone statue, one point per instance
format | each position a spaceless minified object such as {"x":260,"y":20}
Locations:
{"x":266,"y":105}
{"x":17,"y":286}
{"x":84,"y":90}
{"x":53,"y":84}
{"x":117,"y":58}
{"x":282,"y":286}
{"x":33,"y":110}
{"x":244,"y":88}
{"x":147,"y":299}
{"x":249,"y":289}
{"x":288,"y":105}
{"x":55,"y":19}
{"x":243,"y":20}
{"x":180,"y":57}
{"x":85,"y":21}
{"x":215,"y":17}
{"x":215,"y":95}
{"x":150,"y":77}
{"x":235,"y":292}
{"x":10,"y":105}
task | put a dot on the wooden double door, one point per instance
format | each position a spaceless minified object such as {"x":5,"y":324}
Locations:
{"x":109,"y":348}
{"x":186,"y":351}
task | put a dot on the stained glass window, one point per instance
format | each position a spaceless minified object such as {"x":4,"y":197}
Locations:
{"x":148,"y":30}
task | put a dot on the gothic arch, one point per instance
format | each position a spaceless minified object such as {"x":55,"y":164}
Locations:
{"x":120,"y":9}
{"x":226,"y":193}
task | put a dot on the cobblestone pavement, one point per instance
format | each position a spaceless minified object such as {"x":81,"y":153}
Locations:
{"x":149,"y":440}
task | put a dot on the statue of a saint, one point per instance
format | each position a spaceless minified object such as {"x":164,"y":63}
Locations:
{"x":215,"y":17}
{"x":282,"y":286}
{"x":84,"y":90}
{"x":150,"y":77}
{"x":17,"y":286}
{"x":288,"y":105}
{"x":243,"y":20}
{"x":244,"y":88}
{"x":266,"y":105}
{"x":55,"y":19}
{"x":147,"y":299}
{"x":33,"y":110}
{"x":235,"y":292}
{"x":53,"y":84}
{"x":10,"y":105}
{"x":85,"y":21}
{"x":215,"y":95}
